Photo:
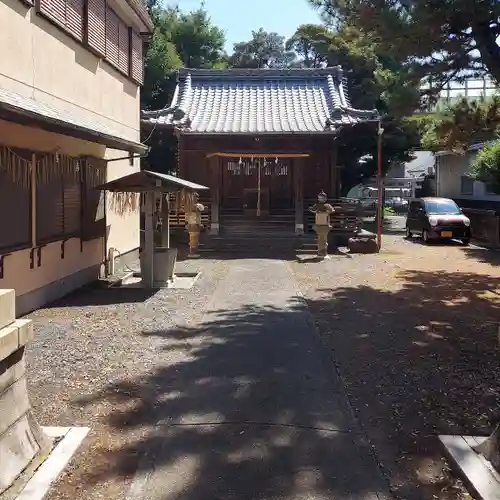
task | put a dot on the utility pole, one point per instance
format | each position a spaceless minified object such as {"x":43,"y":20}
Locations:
{"x":380,"y":186}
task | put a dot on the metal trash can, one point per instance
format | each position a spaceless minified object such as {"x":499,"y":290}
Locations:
{"x":164,"y":260}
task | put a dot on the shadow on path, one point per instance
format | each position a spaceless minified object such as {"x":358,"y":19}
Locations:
{"x":242,"y":406}
{"x":417,"y":361}
{"x":247,"y":406}
{"x":487,"y":255}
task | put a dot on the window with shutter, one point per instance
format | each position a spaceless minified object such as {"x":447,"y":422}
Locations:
{"x":112,"y":38}
{"x":68,"y":14}
{"x":49,"y":200}
{"x":58,"y":198}
{"x":136,"y":62}
{"x":72,"y":196}
{"x":96,"y":25}
{"x":123,"y":45}
{"x":74,"y":18}
{"x":54,"y":9}
{"x":15,"y":199}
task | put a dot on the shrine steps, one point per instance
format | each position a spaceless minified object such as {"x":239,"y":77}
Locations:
{"x":236,"y":223}
{"x":257,"y":245}
{"x":270,"y":236}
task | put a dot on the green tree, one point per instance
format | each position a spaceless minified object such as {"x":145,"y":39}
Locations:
{"x":179,"y":40}
{"x":454,"y":127}
{"x":374,"y":80}
{"x":264,"y":50}
{"x":486,"y":166}
{"x":310,"y":42}
{"x":199,"y":43}
{"x":436,"y":38}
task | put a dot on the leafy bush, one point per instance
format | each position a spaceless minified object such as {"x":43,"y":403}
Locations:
{"x":486,"y":166}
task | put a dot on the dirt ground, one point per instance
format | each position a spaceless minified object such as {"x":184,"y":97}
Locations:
{"x":412,"y":331}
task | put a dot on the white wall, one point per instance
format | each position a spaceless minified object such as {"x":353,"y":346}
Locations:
{"x":449,"y":171}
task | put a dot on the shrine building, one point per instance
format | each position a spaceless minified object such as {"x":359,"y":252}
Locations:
{"x":263,"y":140}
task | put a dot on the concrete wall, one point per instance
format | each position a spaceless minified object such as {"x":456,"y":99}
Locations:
{"x":449,"y":171}
{"x":41,"y":62}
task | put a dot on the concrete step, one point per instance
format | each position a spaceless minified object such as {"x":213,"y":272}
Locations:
{"x":242,"y":222}
{"x":116,"y":279}
{"x":256,"y":244}
{"x":283,"y":236}
{"x":240,"y":219}
{"x":258,"y":230}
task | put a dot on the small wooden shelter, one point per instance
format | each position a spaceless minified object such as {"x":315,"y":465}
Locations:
{"x":150,"y":184}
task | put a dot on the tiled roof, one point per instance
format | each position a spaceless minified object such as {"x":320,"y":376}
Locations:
{"x":144,"y":180}
{"x":50,"y":118}
{"x":259,"y":101}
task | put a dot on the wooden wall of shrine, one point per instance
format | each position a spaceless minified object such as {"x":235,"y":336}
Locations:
{"x":309,"y":174}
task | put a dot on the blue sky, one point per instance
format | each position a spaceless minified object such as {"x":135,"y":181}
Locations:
{"x":238,"y":21}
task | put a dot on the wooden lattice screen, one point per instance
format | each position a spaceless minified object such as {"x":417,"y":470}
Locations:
{"x":58,"y":197}
{"x":15,"y":199}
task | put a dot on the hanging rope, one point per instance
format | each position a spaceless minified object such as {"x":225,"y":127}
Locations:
{"x":122,"y":203}
{"x":53,"y":166}
{"x":16,"y":168}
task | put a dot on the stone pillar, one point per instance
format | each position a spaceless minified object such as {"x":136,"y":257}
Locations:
{"x":322,"y":239}
{"x":193,"y":225}
{"x":322,"y":211}
{"x":22,"y":442}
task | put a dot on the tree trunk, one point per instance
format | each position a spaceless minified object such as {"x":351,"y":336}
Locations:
{"x":490,"y":449}
{"x":486,"y":43}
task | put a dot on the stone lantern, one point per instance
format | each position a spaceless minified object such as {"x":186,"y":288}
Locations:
{"x":322,"y":211}
{"x":193,"y":223}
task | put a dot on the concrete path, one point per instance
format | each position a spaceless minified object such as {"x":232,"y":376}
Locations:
{"x":256,"y":411}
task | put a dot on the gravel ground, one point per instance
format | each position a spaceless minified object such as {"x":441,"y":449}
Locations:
{"x":413,"y":332}
{"x":83,"y":345}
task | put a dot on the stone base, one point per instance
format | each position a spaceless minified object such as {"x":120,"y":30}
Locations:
{"x":36,"y":480}
{"x":482,"y":480}
{"x":23,"y":446}
{"x":362,"y":245}
{"x":22,"y":442}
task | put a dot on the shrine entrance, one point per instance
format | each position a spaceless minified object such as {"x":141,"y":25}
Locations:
{"x":259,"y":186}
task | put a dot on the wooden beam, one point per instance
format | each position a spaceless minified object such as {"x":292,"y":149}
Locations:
{"x":260,"y":155}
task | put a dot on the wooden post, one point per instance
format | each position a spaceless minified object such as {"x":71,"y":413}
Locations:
{"x":215,"y":176}
{"x":334,"y":185}
{"x":165,"y":230}
{"x":299,"y":196}
{"x":33,"y":199}
{"x":258,"y":188}
{"x":380,"y":186}
{"x":147,"y":272}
